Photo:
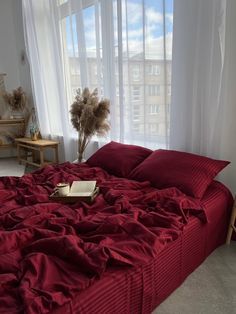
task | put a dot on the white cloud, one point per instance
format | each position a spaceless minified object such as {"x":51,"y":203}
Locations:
{"x":169,"y":17}
{"x":134,"y":12}
{"x":153,"y":31}
{"x":153,"y":16}
{"x":153,"y":48}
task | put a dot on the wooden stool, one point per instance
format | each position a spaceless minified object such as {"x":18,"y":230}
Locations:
{"x":232,"y":226}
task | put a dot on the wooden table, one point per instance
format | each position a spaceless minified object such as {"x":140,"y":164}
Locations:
{"x":26,"y":145}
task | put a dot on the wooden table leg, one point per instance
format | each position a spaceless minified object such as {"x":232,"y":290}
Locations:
{"x":232,"y":223}
{"x":18,"y":153}
{"x":56,"y":154}
{"x":41,"y":156}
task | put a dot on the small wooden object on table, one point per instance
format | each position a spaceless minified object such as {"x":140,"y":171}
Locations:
{"x":73,"y":199}
{"x":232,"y":223}
{"x":26,"y":145}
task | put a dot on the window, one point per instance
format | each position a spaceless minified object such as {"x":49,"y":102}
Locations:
{"x":136,"y":128}
{"x":136,"y":93}
{"x":74,"y":67}
{"x":136,"y":113}
{"x":136,"y":72}
{"x":153,"y":128}
{"x":154,"y":108}
{"x":153,"y":90}
{"x":153,"y":69}
{"x":122,"y":70}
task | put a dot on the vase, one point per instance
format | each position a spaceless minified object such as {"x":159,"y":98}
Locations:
{"x":80,"y":158}
{"x":34,"y":136}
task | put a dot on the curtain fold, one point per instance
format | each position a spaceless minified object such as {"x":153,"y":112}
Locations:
{"x":43,"y":42}
{"x":203,"y":69}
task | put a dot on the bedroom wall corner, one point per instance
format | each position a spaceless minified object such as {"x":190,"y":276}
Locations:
{"x":13,"y":59}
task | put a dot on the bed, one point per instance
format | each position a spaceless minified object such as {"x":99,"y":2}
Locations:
{"x":126,"y":252}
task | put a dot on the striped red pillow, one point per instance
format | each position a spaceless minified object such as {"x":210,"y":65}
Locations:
{"x":190,"y":173}
{"x":119,"y":159}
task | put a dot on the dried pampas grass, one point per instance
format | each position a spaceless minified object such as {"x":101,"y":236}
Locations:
{"x":16,"y":100}
{"x":89,"y":117}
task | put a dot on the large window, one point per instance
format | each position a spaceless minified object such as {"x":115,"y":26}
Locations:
{"x":123,"y":48}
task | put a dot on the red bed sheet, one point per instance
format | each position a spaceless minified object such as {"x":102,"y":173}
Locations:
{"x":142,"y":289}
{"x":52,"y":255}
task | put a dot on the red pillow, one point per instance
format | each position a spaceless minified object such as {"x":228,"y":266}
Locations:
{"x":119,"y":159}
{"x":188,"y":172}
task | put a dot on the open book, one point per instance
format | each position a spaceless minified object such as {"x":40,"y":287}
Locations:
{"x":82,"y":188}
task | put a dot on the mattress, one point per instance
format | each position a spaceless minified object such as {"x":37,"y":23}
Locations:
{"x":142,"y":289}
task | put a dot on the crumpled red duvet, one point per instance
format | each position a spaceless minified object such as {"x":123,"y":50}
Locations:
{"x":49,"y":251}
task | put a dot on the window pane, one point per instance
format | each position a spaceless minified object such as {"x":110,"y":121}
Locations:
{"x":142,"y":64}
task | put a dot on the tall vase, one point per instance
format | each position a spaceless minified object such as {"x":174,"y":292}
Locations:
{"x":81,"y":157}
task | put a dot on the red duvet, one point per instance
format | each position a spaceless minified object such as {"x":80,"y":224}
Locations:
{"x":50,"y":251}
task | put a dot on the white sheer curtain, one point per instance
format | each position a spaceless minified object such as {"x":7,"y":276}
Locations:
{"x":201,"y":114}
{"x":42,"y":36}
{"x":121,"y":47}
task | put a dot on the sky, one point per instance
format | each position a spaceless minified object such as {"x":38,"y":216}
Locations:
{"x":133,"y":31}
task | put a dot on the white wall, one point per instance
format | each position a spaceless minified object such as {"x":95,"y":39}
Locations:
{"x":12,"y":49}
{"x":12,"y":46}
{"x":8,"y":50}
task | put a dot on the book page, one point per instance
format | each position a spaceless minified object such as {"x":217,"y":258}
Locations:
{"x":82,"y":188}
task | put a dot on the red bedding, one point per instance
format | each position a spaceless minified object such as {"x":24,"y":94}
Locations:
{"x":141,"y":289}
{"x":49,"y":251}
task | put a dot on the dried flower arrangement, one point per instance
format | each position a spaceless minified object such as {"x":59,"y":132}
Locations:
{"x":16,"y":100}
{"x":89,"y":117}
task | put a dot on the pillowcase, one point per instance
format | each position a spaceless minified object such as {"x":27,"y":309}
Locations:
{"x":119,"y":159}
{"x":188,"y":172}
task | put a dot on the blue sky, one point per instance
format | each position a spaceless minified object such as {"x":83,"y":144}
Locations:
{"x":134,"y":23}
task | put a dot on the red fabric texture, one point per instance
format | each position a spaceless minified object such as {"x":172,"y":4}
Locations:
{"x":50,"y":251}
{"x":190,"y":173}
{"x":118,"y":159}
{"x":143,"y":288}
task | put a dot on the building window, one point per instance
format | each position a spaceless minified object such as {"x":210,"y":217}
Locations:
{"x":153,"y":90}
{"x":136,"y":72}
{"x":153,"y":69}
{"x":136,"y":128}
{"x":153,"y":128}
{"x":75,"y":70}
{"x":136,"y":93}
{"x":136,"y":113}
{"x":154,"y":108}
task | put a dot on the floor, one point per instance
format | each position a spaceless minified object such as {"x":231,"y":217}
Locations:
{"x":210,"y":289}
{"x":10,"y":167}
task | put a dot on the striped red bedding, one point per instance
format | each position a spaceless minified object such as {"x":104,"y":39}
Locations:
{"x":123,"y":254}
